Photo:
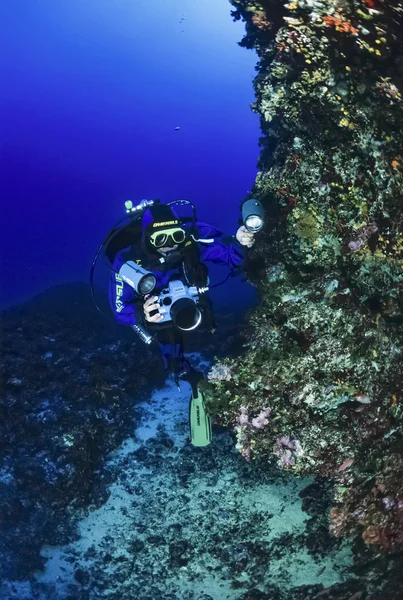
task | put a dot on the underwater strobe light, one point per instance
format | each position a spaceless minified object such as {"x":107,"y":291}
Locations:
{"x":143,"y":282}
{"x":253,"y":215}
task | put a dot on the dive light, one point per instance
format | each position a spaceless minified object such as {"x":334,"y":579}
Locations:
{"x":143,"y":282}
{"x":253,"y":215}
{"x":140,"y":207}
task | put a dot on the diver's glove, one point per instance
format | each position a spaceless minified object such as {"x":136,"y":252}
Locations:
{"x":245,"y":237}
{"x":152,"y":310}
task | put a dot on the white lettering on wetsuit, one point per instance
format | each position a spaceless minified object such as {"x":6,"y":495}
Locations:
{"x":119,"y":292}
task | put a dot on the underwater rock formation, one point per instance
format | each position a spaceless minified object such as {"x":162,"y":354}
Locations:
{"x":68,"y":389}
{"x":69,"y":386}
{"x":324,"y":356}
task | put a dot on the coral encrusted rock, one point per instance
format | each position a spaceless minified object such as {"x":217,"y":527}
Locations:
{"x":325,"y":346}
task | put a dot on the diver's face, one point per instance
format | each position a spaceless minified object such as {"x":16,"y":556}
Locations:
{"x":167,"y":249}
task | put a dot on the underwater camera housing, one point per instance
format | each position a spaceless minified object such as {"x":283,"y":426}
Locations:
{"x":180,"y":304}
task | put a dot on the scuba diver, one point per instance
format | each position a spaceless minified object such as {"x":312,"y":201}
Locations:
{"x":159,"y":283}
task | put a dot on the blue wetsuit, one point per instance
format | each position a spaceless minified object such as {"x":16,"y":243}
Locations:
{"x":213,"y":246}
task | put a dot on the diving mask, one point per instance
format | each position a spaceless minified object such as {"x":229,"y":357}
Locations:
{"x":160,"y":238}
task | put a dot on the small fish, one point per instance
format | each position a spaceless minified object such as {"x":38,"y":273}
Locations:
{"x":394,"y":398}
{"x":347,"y":463}
{"x":363,"y":398}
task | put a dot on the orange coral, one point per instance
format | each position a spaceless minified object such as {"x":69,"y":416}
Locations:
{"x":259,"y":19}
{"x":340,"y":24}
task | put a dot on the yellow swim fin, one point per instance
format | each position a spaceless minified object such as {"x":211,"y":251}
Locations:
{"x":199,"y":421}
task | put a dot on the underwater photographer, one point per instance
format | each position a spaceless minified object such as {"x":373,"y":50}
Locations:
{"x":159,"y":283}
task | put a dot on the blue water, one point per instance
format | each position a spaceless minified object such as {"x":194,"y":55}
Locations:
{"x":90,"y":95}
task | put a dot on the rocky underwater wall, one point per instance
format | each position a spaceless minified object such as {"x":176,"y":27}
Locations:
{"x":319,"y":386}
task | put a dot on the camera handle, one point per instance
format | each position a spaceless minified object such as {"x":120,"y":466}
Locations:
{"x":143,"y":334}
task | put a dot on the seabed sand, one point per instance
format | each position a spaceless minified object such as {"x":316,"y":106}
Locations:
{"x":184,"y":523}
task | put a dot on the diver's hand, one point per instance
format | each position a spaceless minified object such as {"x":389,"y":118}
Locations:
{"x":245,"y":237}
{"x":149,"y":306}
